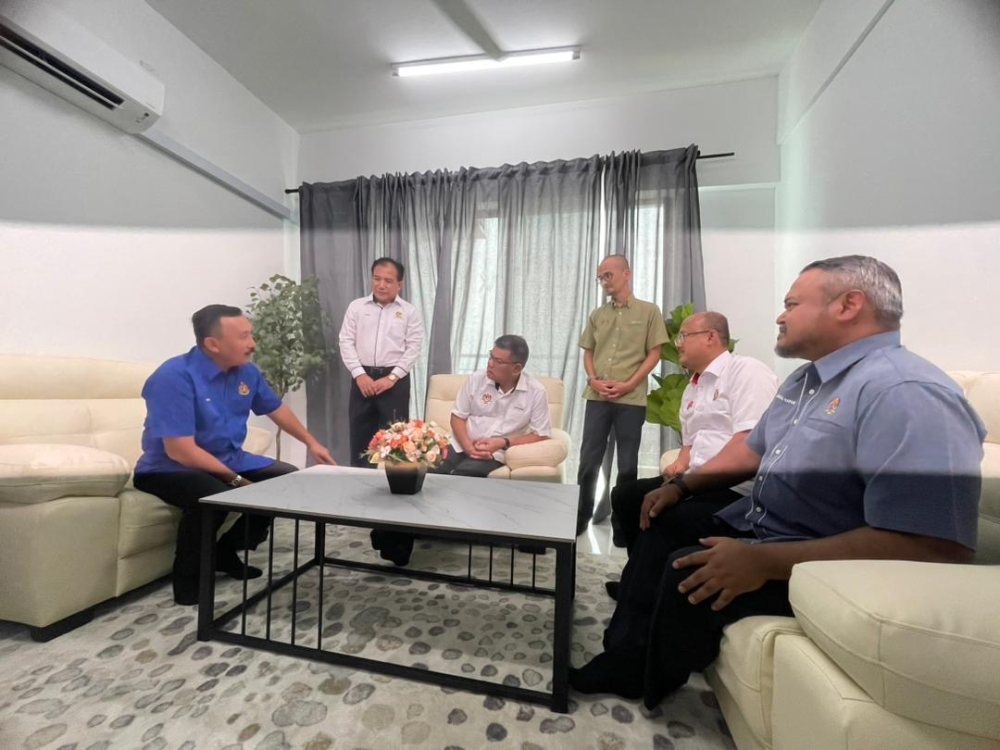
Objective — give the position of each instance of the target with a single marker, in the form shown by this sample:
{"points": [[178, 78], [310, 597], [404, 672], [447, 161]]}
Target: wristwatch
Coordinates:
{"points": [[506, 443], [236, 481], [678, 479], [392, 377]]}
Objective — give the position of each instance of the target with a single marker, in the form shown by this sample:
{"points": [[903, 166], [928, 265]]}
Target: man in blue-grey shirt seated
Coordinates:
{"points": [[867, 452], [197, 406]]}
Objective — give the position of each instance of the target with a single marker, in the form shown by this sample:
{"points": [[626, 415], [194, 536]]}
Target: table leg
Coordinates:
{"points": [[565, 574], [206, 586], [320, 549]]}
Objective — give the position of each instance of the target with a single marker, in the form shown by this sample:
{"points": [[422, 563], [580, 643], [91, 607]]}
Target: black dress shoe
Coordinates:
{"points": [[612, 588], [185, 590], [233, 566], [397, 555], [609, 673]]}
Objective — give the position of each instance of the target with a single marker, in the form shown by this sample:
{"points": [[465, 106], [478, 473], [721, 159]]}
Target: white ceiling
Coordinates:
{"points": [[322, 64]]}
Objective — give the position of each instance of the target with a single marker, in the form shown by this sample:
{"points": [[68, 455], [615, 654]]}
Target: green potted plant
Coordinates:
{"points": [[664, 403], [288, 326]]}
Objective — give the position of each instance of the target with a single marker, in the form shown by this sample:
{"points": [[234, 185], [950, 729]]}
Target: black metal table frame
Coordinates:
{"points": [[210, 627]]}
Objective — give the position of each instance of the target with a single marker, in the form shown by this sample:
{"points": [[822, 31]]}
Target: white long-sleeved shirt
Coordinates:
{"points": [[375, 335]]}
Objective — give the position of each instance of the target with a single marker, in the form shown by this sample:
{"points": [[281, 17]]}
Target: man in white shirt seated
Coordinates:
{"points": [[724, 401], [497, 407]]}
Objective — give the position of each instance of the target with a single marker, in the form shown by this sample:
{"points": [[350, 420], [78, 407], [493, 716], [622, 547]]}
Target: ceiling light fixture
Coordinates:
{"points": [[485, 62]]}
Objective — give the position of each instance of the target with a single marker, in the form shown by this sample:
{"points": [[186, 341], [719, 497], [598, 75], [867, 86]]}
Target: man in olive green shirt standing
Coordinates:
{"points": [[621, 346]]}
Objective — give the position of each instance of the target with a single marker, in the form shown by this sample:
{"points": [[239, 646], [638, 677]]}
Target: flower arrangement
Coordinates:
{"points": [[416, 441]]}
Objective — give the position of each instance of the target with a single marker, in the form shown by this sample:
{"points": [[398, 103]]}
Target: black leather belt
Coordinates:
{"points": [[377, 372]]}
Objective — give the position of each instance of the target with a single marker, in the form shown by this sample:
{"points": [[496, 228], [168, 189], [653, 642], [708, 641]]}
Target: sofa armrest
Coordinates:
{"points": [[551, 452], [40, 472], [258, 440], [668, 458], [919, 638]]}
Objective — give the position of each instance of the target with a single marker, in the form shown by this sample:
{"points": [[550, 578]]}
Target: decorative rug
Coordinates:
{"points": [[137, 677]]}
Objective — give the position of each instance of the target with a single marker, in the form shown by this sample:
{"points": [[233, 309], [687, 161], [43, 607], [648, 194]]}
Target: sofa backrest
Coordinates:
{"points": [[442, 390], [92, 402], [983, 391]]}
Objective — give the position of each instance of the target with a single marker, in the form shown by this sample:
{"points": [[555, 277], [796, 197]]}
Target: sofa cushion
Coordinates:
{"points": [[145, 522], [920, 638], [39, 472], [746, 667]]}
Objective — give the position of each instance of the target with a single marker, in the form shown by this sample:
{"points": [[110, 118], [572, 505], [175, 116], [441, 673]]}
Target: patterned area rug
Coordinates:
{"points": [[136, 677]]}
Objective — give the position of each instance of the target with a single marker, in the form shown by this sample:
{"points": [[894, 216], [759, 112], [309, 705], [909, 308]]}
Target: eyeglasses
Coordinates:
{"points": [[497, 360], [607, 276], [679, 338]]}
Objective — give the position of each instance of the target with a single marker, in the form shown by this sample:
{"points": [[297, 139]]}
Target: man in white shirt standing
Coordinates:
{"points": [[723, 402], [497, 407], [380, 340]]}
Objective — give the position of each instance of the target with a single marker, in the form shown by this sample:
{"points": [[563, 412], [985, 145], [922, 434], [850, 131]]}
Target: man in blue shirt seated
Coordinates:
{"points": [[197, 406], [867, 452]]}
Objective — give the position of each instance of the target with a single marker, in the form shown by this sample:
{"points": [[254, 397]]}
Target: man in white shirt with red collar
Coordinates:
{"points": [[380, 341], [497, 407], [724, 401]]}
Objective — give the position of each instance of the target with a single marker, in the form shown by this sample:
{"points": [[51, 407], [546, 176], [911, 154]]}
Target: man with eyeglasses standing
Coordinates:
{"points": [[621, 346], [721, 404]]}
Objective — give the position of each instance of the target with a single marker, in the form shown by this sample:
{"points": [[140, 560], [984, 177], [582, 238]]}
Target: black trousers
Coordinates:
{"points": [[657, 637], [183, 489], [600, 418], [626, 503], [463, 466], [367, 416]]}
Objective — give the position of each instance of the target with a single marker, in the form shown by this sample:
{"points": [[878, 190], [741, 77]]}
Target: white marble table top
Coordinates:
{"points": [[527, 510]]}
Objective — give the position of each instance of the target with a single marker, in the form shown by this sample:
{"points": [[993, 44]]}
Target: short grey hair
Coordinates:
{"points": [[516, 345], [879, 283]]}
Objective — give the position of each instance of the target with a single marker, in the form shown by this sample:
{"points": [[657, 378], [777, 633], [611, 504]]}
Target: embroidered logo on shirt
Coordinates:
{"points": [[487, 398], [691, 404], [244, 389], [715, 396], [831, 408], [399, 314]]}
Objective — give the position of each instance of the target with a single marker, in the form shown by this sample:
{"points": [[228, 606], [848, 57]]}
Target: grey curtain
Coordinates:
{"points": [[512, 249]]}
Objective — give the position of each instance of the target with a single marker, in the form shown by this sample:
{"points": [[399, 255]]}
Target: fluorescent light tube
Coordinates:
{"points": [[483, 62]]}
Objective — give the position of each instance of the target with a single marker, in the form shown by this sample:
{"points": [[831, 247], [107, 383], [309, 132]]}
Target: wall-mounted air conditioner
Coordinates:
{"points": [[59, 54]]}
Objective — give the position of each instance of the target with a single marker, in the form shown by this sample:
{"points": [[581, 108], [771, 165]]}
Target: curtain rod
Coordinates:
{"points": [[289, 191]]}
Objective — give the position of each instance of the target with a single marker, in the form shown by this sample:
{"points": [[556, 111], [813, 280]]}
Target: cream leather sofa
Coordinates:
{"points": [[880, 654], [539, 462], [73, 530]]}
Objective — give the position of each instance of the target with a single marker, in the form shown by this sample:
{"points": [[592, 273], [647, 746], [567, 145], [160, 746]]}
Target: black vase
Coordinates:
{"points": [[405, 479]]}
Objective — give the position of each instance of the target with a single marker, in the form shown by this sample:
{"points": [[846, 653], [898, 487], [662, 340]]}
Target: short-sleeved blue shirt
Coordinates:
{"points": [[869, 435], [189, 396]]}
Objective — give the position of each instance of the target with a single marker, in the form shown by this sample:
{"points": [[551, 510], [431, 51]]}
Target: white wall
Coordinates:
{"points": [[107, 246], [737, 207], [898, 157]]}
